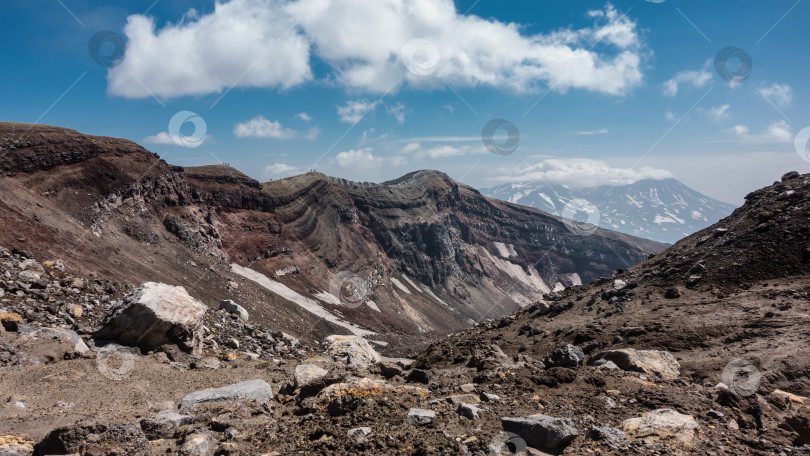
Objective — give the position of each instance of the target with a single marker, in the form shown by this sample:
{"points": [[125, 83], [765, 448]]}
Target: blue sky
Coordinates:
{"points": [[599, 92]]}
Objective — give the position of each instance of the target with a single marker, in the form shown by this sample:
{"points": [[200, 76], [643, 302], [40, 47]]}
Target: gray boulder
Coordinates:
{"points": [[420, 417], [156, 314], [612, 437], [352, 350], [541, 431], [307, 373], [234, 308], [164, 424], [257, 390], [565, 356]]}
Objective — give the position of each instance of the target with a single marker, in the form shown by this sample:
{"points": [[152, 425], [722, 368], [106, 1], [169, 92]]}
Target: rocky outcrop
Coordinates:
{"points": [[156, 314]]}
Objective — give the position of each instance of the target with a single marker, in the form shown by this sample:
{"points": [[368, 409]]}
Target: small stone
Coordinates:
{"points": [[360, 434], [420, 417], [612, 437], [200, 444], [672, 293], [419, 376], [308, 373], [233, 343], [468, 411], [619, 285], [164, 424], [489, 397], [565, 356]]}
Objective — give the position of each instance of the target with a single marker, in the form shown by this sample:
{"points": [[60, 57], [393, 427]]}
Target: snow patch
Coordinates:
{"points": [[400, 285], [310, 305], [410, 282]]}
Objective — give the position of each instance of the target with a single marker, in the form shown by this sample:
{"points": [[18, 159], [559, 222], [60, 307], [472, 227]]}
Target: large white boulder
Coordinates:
{"points": [[352, 350], [156, 314]]}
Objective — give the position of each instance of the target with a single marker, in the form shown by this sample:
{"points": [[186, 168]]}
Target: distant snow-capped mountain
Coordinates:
{"points": [[663, 210]]}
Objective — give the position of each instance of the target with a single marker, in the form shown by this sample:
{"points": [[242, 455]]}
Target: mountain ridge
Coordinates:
{"points": [[660, 209], [433, 254]]}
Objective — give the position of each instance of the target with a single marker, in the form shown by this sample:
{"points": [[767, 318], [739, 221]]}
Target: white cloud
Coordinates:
{"points": [[777, 132], [671, 116], [603, 131], [398, 111], [164, 138], [779, 94], [241, 43], [267, 43], [354, 111], [697, 78], [443, 150], [578, 172], [304, 116], [160, 138], [280, 168], [719, 113], [259, 127], [358, 159]]}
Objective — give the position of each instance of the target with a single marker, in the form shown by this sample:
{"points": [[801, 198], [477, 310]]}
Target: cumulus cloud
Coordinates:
{"points": [[165, 138], [364, 160], [779, 94], [268, 43], [398, 111], [280, 168], [357, 159], [440, 151], [242, 43], [304, 116], [777, 132], [259, 127], [719, 113], [697, 78], [353, 111], [578, 172]]}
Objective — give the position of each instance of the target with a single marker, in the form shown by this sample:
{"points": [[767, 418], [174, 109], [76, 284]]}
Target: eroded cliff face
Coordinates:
{"points": [[424, 255]]}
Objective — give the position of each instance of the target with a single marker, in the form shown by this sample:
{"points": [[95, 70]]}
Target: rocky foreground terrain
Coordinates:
{"points": [[700, 349]]}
